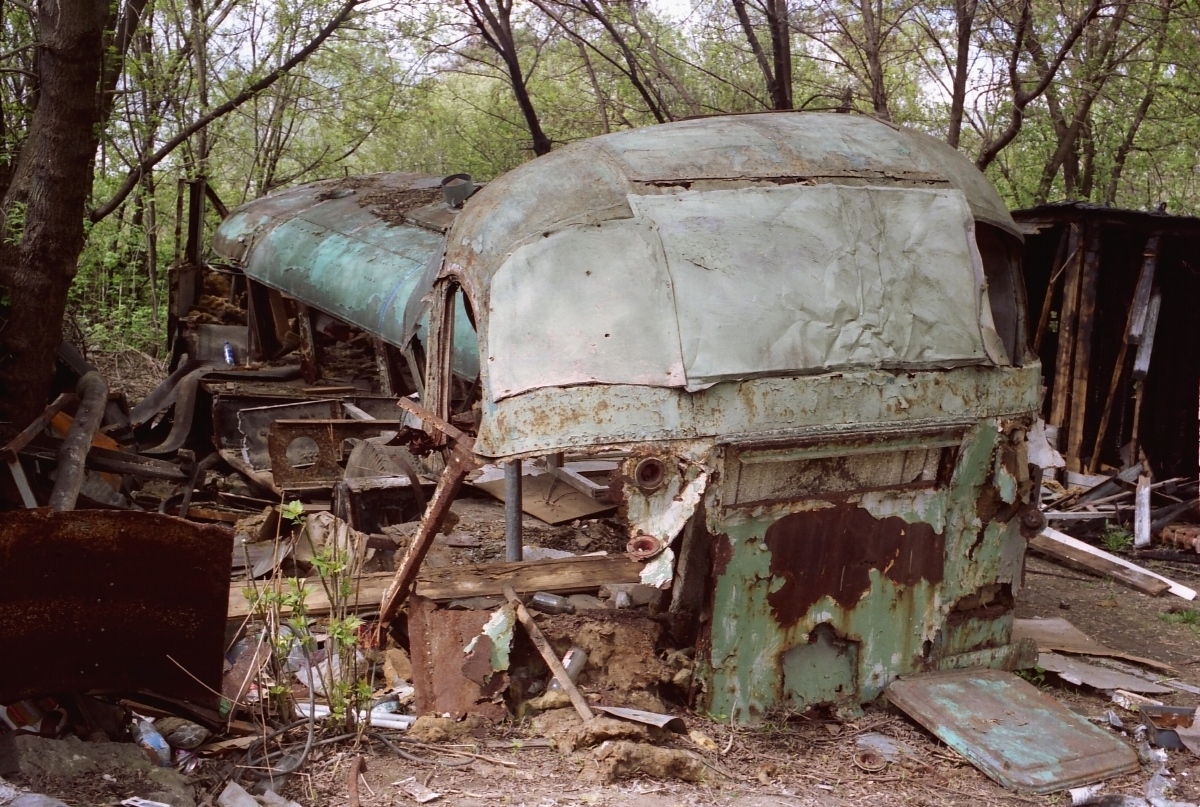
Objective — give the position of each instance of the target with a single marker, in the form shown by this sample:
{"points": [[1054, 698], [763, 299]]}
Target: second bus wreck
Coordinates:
{"points": [[790, 348]]}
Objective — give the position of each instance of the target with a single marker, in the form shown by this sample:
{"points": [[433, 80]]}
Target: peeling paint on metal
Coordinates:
{"points": [[659, 572], [827, 579], [662, 513], [499, 628]]}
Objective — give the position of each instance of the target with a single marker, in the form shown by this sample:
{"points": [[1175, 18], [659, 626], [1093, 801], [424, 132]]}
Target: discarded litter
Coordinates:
{"points": [[417, 791]]}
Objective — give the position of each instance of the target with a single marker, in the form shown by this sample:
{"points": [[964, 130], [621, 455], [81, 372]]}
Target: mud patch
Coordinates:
{"points": [[622, 659], [569, 733], [621, 758], [428, 729]]}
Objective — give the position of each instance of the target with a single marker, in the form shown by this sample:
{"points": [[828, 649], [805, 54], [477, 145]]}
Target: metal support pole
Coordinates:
{"points": [[512, 510]]}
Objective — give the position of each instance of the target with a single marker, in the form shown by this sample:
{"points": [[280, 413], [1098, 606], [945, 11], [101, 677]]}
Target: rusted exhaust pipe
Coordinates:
{"points": [[93, 397]]}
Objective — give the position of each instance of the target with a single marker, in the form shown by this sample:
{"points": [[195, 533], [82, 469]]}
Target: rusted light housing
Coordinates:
{"points": [[649, 474]]}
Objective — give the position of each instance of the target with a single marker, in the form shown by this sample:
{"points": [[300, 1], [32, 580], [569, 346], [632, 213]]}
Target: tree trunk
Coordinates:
{"points": [[49, 194], [781, 50], [964, 16], [873, 54]]}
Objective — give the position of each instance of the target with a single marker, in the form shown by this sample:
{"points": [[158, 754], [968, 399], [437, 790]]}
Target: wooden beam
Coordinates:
{"points": [[1102, 567], [560, 576], [1083, 350], [1134, 327], [1053, 543], [1068, 313]]}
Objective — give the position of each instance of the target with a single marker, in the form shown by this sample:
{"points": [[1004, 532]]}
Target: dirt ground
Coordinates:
{"points": [[793, 759]]}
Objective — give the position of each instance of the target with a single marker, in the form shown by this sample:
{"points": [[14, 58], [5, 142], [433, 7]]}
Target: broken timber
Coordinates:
{"points": [[561, 576], [1079, 555]]}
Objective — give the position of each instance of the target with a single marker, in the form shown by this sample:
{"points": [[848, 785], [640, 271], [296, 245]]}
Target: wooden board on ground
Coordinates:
{"points": [[550, 499], [1056, 537], [561, 576], [1059, 635], [1101, 564]]}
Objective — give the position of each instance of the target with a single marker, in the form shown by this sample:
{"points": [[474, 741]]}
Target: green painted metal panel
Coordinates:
{"points": [[333, 248], [1022, 738]]}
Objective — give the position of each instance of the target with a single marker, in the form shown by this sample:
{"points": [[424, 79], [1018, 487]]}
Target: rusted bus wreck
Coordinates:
{"points": [[802, 337]]}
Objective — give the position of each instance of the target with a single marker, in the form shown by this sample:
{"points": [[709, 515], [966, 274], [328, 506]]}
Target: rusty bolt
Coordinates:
{"points": [[1032, 521], [649, 474]]}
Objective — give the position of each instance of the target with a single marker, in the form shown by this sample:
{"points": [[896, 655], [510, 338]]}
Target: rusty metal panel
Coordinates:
{"points": [[587, 182], [860, 585], [104, 600], [841, 277], [306, 453], [437, 638], [555, 419], [1022, 738]]}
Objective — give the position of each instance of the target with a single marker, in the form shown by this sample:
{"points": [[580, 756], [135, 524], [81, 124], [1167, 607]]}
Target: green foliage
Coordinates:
{"points": [[1185, 616], [1035, 675], [293, 511], [1116, 538], [281, 607]]}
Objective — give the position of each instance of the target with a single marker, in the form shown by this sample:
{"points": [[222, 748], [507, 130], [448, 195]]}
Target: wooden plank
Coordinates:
{"points": [[1061, 258], [1141, 363], [1068, 313], [1054, 537], [1113, 485], [560, 576], [1140, 305], [1082, 364], [1141, 513], [1087, 562]]}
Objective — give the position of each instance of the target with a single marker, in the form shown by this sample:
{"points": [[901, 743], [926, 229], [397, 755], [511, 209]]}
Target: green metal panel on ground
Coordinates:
{"points": [[1022, 738]]}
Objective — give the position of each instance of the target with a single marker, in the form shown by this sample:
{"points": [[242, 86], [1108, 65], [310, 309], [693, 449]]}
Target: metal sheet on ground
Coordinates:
{"points": [[104, 600], [1076, 672], [1014, 733], [1057, 634], [547, 498]]}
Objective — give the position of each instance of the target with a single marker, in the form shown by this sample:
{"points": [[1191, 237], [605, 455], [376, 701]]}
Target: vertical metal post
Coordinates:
{"points": [[512, 510]]}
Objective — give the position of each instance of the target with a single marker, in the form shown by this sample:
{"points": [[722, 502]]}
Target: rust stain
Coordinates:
{"points": [[831, 552], [104, 599], [436, 641]]}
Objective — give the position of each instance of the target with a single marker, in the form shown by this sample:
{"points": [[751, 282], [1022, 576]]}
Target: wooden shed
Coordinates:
{"points": [[1114, 300]]}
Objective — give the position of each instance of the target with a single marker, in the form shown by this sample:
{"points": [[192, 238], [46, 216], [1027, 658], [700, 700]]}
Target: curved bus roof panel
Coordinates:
{"points": [[355, 248], [726, 248]]}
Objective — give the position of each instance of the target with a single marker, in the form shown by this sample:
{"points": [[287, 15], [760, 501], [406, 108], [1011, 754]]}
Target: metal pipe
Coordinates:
{"points": [[512, 510], [93, 397]]}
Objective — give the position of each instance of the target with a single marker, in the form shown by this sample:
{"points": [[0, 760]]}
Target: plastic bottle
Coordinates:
{"points": [[573, 662], [156, 748], [230, 358], [551, 603]]}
